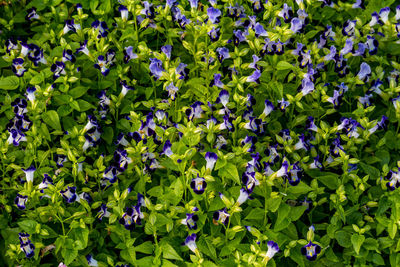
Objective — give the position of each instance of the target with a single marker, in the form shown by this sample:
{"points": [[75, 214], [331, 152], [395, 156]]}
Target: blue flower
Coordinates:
{"points": [[307, 86], [148, 10], [182, 71], [125, 88], [102, 65], [384, 14], [243, 196], [359, 4], [172, 90], [70, 25], [124, 12], [257, 6], [23, 238], [128, 54], [18, 67], [221, 216], [211, 159], [102, 27], [68, 56], [193, 3], [217, 82], [273, 248], [372, 45], [20, 201], [122, 159], [11, 45], [213, 14], [223, 53], [190, 242], [195, 112], [156, 67], [45, 182], [58, 68], [348, 47], [110, 174], [29, 173], [238, 37], [302, 143], [311, 251], [365, 72], [394, 180], [283, 104], [167, 50], [131, 217], [286, 13], [255, 77], [375, 19], [198, 185], [28, 249], [296, 25], [191, 221], [259, 30], [91, 261], [349, 27], [69, 194], [316, 164], [167, 149], [304, 59], [214, 34], [283, 171], [32, 14], [335, 99], [83, 48]]}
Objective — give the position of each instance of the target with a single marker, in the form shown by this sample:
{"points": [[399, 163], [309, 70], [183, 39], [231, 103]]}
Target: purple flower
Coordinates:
{"points": [[198, 185], [167, 149], [296, 25], [286, 13], [259, 30], [283, 104], [124, 12], [58, 68], [191, 221], [311, 251], [211, 159], [349, 27], [217, 82], [213, 14], [255, 77], [257, 6], [91, 261], [172, 90], [102, 28], [18, 67], [195, 112], [167, 50], [348, 47], [372, 45], [71, 26], [193, 3], [190, 242], [359, 4], [365, 72], [20, 201], [131, 217], [214, 34], [68, 56], [221, 216], [24, 238], [243, 196], [128, 54], [11, 45], [69, 194], [223, 53], [384, 14], [307, 86], [156, 67], [28, 249], [335, 99], [238, 37], [29, 173], [269, 107], [83, 48], [273, 248], [31, 14]]}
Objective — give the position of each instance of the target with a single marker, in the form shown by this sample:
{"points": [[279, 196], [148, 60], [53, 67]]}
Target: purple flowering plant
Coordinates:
{"points": [[199, 133]]}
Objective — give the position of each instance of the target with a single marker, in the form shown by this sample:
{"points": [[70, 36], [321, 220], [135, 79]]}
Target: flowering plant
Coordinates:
{"points": [[199, 133]]}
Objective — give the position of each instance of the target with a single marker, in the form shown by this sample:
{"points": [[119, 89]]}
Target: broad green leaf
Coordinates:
{"points": [[357, 241], [230, 171], [9, 83], [169, 252], [51, 118], [283, 65]]}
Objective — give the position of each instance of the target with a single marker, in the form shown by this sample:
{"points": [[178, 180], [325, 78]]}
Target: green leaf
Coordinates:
{"points": [[169, 252], [255, 214], [331, 181], [51, 118], [84, 105], [9, 83], [69, 253], [146, 248], [37, 79], [230, 171], [108, 135], [301, 188], [296, 212], [28, 226], [78, 91], [129, 255], [392, 229], [80, 234], [283, 65], [282, 221], [373, 172], [377, 259], [343, 238], [357, 241]]}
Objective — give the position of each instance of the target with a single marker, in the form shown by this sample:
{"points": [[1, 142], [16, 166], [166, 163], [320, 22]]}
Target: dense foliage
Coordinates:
{"points": [[180, 133]]}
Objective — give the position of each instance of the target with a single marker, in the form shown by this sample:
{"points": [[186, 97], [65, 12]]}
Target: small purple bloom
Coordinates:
{"points": [[311, 251]]}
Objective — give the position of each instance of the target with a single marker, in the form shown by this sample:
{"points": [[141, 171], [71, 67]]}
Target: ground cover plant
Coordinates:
{"points": [[196, 133]]}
